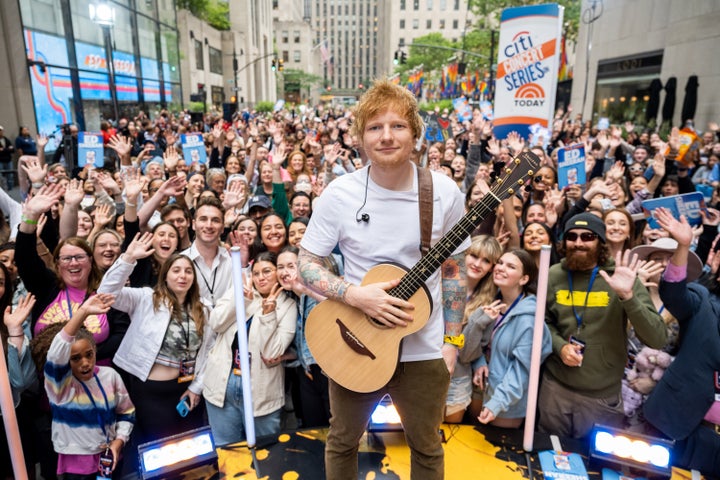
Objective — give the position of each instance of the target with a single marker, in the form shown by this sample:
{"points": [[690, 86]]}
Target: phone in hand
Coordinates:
{"points": [[183, 407]]}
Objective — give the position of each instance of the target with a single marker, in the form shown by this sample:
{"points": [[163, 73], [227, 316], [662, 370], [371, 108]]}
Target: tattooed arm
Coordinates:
{"points": [[454, 291], [372, 299]]}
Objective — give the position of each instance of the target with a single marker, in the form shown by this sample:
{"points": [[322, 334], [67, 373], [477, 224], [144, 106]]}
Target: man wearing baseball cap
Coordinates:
{"points": [[590, 300]]}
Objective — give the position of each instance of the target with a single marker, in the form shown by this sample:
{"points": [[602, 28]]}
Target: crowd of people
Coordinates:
{"points": [[118, 304]]}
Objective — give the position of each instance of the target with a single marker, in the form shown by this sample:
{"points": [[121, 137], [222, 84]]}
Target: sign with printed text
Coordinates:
{"points": [[571, 166], [688, 204], [527, 68], [193, 148], [462, 107], [90, 149]]}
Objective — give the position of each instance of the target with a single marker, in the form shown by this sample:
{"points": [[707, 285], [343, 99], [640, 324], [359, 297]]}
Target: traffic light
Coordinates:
{"points": [[201, 87], [274, 65], [395, 60], [403, 58], [281, 64]]}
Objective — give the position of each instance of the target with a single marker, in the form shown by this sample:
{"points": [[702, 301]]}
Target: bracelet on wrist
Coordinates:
{"points": [[16, 336], [27, 220], [456, 340], [128, 204], [37, 184]]}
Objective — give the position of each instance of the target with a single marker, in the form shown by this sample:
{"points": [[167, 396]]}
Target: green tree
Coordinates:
{"points": [[430, 58], [485, 10], [301, 79], [215, 12]]}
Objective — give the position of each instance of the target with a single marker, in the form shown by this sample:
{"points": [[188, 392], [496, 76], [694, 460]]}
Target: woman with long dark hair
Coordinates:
{"points": [[165, 348]]}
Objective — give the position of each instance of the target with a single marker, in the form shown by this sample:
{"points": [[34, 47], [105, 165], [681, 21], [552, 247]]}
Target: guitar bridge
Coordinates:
{"points": [[352, 341]]}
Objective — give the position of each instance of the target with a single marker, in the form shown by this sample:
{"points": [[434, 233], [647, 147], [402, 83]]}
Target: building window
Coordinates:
{"points": [[416, 24], [443, 4], [199, 60], [416, 4], [457, 5], [296, 56], [402, 4], [296, 36], [442, 23], [284, 36], [428, 24], [275, 4], [285, 56], [429, 4], [215, 60], [455, 24], [402, 24]]}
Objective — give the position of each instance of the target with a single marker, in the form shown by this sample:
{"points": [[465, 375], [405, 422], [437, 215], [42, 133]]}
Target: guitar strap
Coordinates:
{"points": [[425, 202]]}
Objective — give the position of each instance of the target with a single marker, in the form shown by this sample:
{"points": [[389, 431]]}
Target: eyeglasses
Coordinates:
{"points": [[265, 273], [67, 259], [584, 236]]}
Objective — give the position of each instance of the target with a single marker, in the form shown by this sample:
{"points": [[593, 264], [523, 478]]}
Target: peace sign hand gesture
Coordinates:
{"points": [[269, 303]]}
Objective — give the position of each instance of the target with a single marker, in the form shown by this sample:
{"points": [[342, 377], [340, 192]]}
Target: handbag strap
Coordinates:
{"points": [[425, 202]]}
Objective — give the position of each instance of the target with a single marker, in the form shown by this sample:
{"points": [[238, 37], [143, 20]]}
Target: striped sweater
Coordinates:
{"points": [[75, 424]]}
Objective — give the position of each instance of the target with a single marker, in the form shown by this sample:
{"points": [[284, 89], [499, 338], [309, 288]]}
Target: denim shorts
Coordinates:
{"points": [[459, 394]]}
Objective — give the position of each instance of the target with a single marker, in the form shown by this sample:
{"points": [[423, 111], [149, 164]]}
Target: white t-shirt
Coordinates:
{"points": [[392, 235]]}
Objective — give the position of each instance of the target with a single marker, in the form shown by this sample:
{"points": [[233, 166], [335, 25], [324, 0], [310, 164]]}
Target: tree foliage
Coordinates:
{"points": [[430, 58], [487, 10], [301, 78], [215, 12]]}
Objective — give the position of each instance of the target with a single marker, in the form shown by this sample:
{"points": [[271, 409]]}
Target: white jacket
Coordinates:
{"points": [[141, 344], [269, 337]]}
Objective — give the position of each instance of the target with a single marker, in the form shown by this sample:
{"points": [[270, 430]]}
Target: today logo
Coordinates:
{"points": [[530, 95]]}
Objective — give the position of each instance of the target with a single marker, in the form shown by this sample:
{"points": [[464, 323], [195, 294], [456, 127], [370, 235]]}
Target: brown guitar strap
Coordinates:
{"points": [[425, 201]]}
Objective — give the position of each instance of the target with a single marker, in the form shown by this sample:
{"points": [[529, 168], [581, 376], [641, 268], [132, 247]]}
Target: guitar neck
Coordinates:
{"points": [[442, 250]]}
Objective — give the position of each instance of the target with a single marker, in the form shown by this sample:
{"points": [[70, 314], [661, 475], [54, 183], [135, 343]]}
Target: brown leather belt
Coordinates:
{"points": [[715, 428]]}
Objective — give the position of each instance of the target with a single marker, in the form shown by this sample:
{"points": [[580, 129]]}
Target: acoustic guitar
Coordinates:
{"points": [[359, 352]]}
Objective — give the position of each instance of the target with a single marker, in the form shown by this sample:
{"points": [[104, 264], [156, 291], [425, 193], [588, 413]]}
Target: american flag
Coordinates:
{"points": [[324, 53]]}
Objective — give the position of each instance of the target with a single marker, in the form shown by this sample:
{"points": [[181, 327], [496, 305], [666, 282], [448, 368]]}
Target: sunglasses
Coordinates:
{"points": [[538, 179], [584, 236]]}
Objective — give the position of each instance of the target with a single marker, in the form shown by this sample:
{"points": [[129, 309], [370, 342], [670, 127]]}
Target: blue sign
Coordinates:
{"points": [[688, 204], [90, 149], [571, 166], [193, 148]]}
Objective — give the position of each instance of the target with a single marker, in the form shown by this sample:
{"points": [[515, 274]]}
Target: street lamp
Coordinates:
{"points": [[104, 15]]}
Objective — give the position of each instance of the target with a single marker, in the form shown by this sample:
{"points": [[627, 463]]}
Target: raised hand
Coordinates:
{"points": [[170, 158], [493, 147], [623, 278], [14, 319], [173, 186], [122, 145], [658, 165], [41, 139], [98, 303], [140, 247], [35, 171], [107, 182], [235, 195], [629, 127], [74, 193], [617, 171], [680, 230], [515, 142], [134, 183], [46, 197], [102, 215]]}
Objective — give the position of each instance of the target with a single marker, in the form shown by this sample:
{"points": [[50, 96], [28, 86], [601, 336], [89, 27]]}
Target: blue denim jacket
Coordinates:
{"points": [[305, 304]]}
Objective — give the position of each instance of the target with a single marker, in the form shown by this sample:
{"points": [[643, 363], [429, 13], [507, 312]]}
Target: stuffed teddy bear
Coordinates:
{"points": [[649, 364]]}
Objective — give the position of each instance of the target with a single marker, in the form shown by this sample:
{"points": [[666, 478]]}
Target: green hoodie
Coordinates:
{"points": [[603, 329]]}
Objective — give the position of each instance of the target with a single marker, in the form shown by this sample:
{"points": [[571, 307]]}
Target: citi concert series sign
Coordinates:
{"points": [[527, 68]]}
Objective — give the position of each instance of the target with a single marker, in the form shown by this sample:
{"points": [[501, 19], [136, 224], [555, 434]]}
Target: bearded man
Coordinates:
{"points": [[590, 300]]}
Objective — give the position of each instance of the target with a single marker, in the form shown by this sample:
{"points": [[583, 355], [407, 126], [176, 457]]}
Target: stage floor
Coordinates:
{"points": [[470, 453]]}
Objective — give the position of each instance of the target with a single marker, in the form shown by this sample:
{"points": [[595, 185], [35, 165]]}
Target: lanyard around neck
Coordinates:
{"points": [[101, 422]]}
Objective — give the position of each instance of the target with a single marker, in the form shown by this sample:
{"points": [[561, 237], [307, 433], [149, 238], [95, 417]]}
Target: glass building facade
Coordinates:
{"points": [[68, 65]]}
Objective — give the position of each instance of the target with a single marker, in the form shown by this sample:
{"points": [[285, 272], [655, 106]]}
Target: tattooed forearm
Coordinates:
{"points": [[318, 278], [453, 293]]}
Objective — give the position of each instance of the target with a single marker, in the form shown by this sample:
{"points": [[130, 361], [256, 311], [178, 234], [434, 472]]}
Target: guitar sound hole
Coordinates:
{"points": [[376, 322]]}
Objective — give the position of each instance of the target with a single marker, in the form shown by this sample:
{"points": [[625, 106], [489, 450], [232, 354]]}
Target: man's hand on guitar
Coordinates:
{"points": [[375, 302]]}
